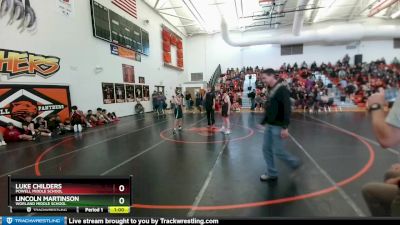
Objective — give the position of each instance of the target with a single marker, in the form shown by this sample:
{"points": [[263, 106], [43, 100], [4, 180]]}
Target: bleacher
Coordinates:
{"points": [[231, 79]]}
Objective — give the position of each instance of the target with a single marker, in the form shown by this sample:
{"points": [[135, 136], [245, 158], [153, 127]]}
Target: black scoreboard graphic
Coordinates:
{"points": [[113, 28], [75, 195]]}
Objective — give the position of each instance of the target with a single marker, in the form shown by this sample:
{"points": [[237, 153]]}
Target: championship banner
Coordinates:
{"points": [[18, 101], [120, 93], [130, 92], [128, 72], [139, 92], [108, 93], [125, 53], [146, 93]]}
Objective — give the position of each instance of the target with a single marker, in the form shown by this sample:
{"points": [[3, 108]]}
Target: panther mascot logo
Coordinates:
{"points": [[21, 109]]}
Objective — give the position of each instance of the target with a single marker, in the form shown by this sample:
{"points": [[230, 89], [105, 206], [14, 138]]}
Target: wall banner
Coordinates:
{"points": [[130, 92], [139, 92], [17, 101], [16, 64], [125, 53], [66, 7], [128, 72], [108, 93], [120, 93]]}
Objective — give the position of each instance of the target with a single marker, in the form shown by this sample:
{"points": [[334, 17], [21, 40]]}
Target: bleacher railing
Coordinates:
{"points": [[214, 78]]}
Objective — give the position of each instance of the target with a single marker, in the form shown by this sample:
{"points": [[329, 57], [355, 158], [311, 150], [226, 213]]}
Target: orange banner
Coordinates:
{"points": [[18, 101], [125, 53]]}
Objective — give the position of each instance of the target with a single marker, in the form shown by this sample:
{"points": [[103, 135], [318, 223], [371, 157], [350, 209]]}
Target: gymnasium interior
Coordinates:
{"points": [[131, 70]]}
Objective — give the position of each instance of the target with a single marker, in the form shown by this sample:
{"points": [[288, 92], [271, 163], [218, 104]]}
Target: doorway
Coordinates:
{"points": [[159, 89], [193, 91]]}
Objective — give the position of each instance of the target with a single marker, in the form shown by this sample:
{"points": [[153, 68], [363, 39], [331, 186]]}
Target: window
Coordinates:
{"points": [[396, 43], [292, 49], [196, 76]]}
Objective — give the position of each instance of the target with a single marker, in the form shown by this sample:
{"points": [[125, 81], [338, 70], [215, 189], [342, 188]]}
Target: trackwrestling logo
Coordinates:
{"points": [[16, 64]]}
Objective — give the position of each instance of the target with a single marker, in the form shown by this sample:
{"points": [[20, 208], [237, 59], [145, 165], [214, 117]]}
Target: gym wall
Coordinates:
{"points": [[204, 53], [70, 38]]}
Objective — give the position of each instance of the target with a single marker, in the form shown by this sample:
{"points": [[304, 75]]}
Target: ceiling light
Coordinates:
{"points": [[327, 5], [196, 15]]}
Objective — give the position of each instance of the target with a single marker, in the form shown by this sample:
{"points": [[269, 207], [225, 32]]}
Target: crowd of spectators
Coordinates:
{"points": [[32, 129], [159, 102], [315, 87]]}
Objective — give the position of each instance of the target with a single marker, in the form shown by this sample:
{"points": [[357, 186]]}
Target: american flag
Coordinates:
{"points": [[128, 6]]}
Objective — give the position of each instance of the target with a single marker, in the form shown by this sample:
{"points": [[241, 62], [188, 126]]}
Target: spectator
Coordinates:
{"points": [[198, 102], [92, 119], [67, 125], [391, 93], [350, 90], [188, 99], [172, 103], [2, 142], [76, 120], [106, 117], [258, 102], [64, 126], [379, 196], [52, 124], [395, 61], [154, 98], [41, 126], [295, 66], [162, 103], [12, 134], [346, 60], [342, 74], [252, 96], [112, 116], [314, 66], [139, 109], [387, 130], [29, 127], [304, 65], [100, 116], [85, 122], [309, 84], [55, 125]]}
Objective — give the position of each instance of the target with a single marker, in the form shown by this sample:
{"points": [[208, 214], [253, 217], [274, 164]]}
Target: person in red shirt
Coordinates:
{"points": [[12, 134]]}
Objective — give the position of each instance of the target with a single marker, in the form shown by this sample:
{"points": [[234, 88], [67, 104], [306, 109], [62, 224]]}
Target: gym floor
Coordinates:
{"points": [[202, 173]]}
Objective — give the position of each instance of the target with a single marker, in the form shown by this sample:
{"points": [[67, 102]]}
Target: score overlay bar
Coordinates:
{"points": [[79, 195]]}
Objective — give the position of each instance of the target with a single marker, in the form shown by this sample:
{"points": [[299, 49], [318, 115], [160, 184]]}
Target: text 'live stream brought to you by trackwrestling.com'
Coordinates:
{"points": [[145, 221], [52, 220]]}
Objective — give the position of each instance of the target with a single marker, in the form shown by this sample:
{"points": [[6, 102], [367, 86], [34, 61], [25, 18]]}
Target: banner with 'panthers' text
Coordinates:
{"points": [[16, 63], [17, 101]]}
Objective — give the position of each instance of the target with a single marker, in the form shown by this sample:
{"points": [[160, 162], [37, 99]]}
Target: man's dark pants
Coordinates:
{"points": [[210, 116]]}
